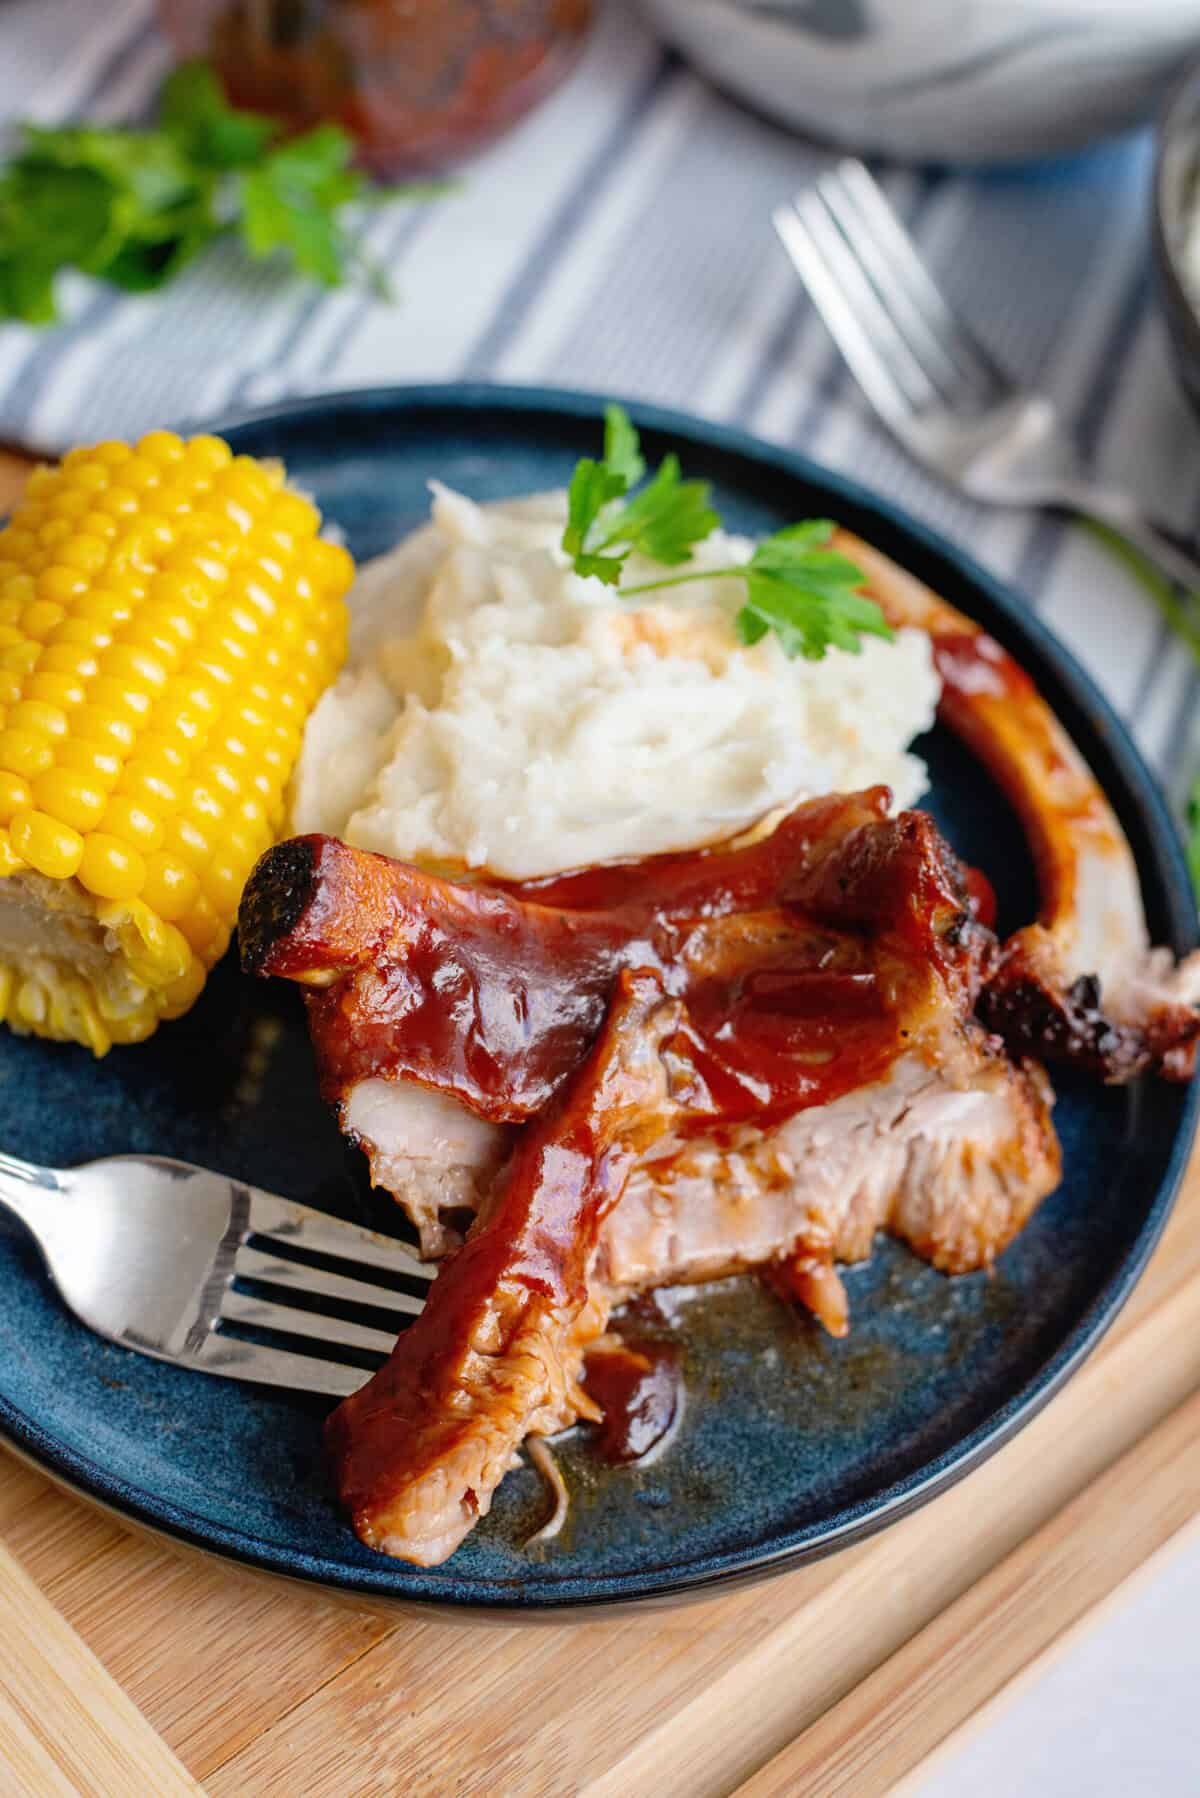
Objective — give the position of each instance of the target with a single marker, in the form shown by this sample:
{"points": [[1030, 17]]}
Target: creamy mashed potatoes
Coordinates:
{"points": [[499, 712]]}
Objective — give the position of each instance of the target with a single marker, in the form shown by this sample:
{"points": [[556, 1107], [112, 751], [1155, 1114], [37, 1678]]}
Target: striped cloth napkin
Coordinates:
{"points": [[620, 240]]}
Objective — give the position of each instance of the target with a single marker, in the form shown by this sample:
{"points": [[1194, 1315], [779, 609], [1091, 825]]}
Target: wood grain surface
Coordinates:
{"points": [[834, 1678], [65, 1724], [128, 1666]]}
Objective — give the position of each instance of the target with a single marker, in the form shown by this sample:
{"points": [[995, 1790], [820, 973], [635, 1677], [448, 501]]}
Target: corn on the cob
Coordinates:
{"points": [[168, 618]]}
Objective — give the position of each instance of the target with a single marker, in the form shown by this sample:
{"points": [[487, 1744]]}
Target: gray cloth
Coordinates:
{"points": [[620, 240]]}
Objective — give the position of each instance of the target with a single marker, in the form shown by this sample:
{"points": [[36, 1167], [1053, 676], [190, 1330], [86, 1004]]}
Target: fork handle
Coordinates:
{"points": [[1174, 554], [22, 1184]]}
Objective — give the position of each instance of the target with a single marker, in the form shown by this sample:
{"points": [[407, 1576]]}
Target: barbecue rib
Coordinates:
{"points": [[810, 1073], [1083, 983]]}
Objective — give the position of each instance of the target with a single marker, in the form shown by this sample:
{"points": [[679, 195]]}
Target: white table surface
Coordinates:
{"points": [[1111, 1712]]}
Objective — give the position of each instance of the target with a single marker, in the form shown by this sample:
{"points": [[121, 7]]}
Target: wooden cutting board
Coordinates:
{"points": [[130, 1667]]}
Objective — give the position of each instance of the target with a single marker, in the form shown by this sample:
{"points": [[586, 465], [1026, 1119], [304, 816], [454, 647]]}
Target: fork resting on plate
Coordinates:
{"points": [[171, 1259]]}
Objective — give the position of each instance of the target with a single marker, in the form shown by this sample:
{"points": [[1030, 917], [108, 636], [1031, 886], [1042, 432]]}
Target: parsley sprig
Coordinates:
{"points": [[133, 206], [808, 594]]}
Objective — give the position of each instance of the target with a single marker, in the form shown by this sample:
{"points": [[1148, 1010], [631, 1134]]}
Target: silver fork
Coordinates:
{"points": [[930, 379], [156, 1255]]}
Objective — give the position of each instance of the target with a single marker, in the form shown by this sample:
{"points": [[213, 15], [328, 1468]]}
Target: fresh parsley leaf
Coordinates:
{"points": [[593, 485], [291, 200], [661, 522], [195, 114], [622, 447], [795, 584], [807, 595], [666, 518]]}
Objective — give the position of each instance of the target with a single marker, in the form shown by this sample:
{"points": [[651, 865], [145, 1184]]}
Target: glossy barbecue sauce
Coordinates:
{"points": [[972, 663], [638, 1384], [690, 994], [495, 997]]}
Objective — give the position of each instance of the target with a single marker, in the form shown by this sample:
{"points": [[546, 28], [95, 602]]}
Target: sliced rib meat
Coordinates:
{"points": [[496, 1354], [749, 1107]]}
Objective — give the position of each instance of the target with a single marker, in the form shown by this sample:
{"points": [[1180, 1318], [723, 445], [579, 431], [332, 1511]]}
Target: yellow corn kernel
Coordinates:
{"points": [[160, 446], [202, 928], [67, 658], [330, 568], [59, 585], [135, 1026], [132, 824], [143, 781], [62, 691], [166, 754], [18, 588], [87, 554], [167, 617], [182, 994], [156, 954], [171, 887], [188, 840], [99, 724], [20, 658], [38, 718], [15, 795], [129, 662], [51, 848], [72, 797], [109, 868], [117, 502], [140, 473], [42, 617], [24, 752], [17, 545], [205, 455], [90, 758], [120, 697]]}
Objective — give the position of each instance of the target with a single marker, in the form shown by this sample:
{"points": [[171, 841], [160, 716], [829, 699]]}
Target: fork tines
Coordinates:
{"points": [[311, 1280], [906, 347]]}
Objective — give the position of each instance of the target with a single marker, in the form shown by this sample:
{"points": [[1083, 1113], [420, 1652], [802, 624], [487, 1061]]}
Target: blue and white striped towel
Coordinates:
{"points": [[620, 240]]}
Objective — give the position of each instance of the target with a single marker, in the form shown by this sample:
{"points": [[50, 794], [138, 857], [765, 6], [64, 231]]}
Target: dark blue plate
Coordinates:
{"points": [[792, 1444]]}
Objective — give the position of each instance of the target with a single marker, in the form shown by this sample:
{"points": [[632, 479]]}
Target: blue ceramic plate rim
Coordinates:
{"points": [[1160, 858]]}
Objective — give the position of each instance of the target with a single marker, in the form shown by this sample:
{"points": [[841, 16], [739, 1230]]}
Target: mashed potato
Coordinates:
{"points": [[499, 712]]}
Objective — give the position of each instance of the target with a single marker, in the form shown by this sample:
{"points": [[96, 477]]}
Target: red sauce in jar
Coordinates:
{"points": [[418, 83]]}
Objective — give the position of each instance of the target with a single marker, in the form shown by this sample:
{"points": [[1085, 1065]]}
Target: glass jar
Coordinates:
{"points": [[419, 83]]}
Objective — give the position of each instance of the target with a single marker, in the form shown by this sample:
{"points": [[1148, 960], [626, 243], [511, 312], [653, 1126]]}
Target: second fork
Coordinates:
{"points": [[931, 380]]}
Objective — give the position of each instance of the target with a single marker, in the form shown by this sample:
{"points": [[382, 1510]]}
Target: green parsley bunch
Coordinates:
{"points": [[134, 206]]}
